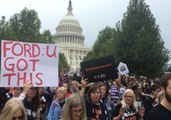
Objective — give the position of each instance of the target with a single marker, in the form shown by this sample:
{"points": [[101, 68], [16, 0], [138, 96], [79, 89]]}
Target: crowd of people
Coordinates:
{"points": [[124, 98]]}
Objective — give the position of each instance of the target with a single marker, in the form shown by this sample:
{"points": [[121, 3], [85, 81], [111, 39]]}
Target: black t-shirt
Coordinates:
{"points": [[97, 112], [5, 95], [45, 100], [31, 114], [61, 104], [130, 114], [159, 113]]}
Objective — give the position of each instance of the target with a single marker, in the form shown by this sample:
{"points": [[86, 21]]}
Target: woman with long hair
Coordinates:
{"points": [[74, 109], [31, 100], [13, 110], [128, 108]]}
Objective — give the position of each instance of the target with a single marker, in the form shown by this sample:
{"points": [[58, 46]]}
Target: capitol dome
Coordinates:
{"points": [[69, 30], [70, 39]]}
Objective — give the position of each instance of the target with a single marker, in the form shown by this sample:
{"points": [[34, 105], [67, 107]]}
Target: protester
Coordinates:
{"points": [[17, 91], [31, 100], [74, 87], [45, 100], [74, 109], [95, 109], [66, 85], [121, 86], [114, 92], [163, 110], [51, 91], [155, 89], [160, 97], [147, 86], [143, 100], [105, 99], [150, 100], [128, 108], [5, 95], [56, 107], [13, 110]]}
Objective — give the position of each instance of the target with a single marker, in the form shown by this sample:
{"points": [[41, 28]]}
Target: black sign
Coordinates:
{"points": [[100, 69]]}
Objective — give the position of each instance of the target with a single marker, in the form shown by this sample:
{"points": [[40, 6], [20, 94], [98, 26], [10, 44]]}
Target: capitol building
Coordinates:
{"points": [[70, 39]]}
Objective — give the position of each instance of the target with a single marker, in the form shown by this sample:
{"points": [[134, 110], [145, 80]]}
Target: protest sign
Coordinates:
{"points": [[123, 69], [21, 61], [100, 69]]}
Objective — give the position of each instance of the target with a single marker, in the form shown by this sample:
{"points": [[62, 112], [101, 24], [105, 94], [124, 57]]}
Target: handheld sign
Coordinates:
{"points": [[99, 69], [21, 61], [122, 68]]}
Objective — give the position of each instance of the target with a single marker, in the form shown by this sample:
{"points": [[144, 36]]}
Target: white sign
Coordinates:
{"points": [[122, 68], [21, 61]]}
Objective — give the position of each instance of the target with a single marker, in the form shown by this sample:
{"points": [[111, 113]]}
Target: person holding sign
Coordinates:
{"points": [[31, 100], [128, 108]]}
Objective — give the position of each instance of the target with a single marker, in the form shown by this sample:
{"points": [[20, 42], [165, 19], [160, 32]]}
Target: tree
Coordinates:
{"points": [[138, 42], [102, 46], [89, 56], [46, 37], [63, 65], [167, 68], [5, 31], [26, 25]]}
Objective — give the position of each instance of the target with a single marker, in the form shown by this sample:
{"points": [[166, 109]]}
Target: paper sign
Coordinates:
{"points": [[21, 61], [122, 68]]}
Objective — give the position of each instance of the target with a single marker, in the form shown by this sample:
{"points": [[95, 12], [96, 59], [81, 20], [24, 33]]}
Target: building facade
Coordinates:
{"points": [[70, 39]]}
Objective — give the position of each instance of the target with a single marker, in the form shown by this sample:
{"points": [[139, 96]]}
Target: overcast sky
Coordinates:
{"points": [[93, 15]]}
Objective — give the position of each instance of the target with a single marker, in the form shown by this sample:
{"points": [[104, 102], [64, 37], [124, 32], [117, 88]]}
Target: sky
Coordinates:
{"points": [[93, 15]]}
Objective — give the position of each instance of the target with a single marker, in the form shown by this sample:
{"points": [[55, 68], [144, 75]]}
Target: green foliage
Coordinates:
{"points": [[167, 68], [5, 31], [102, 45], [63, 65], [139, 43], [26, 25], [46, 37], [136, 41]]}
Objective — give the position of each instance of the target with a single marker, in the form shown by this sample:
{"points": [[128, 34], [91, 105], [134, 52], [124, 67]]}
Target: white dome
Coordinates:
{"points": [[69, 25], [69, 19], [69, 30]]}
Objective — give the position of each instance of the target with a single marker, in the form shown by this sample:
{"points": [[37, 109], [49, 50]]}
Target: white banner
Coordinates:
{"points": [[21, 61]]}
